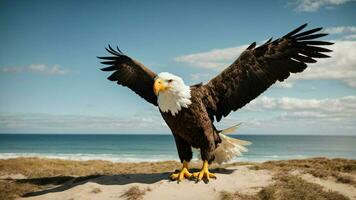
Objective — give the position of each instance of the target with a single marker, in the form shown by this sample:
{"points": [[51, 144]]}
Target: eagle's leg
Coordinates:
{"points": [[185, 155], [207, 155], [182, 174], [204, 172]]}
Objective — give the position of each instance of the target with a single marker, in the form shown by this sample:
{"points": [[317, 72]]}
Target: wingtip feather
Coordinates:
{"points": [[296, 30], [253, 45]]}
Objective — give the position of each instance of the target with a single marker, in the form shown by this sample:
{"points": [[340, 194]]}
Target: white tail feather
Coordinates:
{"points": [[230, 130], [229, 147]]}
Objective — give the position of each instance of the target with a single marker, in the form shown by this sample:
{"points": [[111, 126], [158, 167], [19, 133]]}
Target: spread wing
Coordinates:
{"points": [[258, 68], [130, 73]]}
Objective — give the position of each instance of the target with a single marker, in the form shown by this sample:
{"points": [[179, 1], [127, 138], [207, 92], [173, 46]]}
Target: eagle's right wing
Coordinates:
{"points": [[258, 68], [130, 73]]}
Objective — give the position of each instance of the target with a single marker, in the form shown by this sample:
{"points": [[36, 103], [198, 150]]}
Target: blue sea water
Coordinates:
{"points": [[134, 148]]}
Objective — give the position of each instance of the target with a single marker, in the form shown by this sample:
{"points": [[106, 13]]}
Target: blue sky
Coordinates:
{"points": [[50, 82]]}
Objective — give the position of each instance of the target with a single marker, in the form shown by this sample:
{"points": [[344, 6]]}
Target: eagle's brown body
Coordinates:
{"points": [[254, 71], [194, 128]]}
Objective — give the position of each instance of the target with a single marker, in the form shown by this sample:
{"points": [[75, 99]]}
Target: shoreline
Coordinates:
{"points": [[118, 158], [38, 178]]}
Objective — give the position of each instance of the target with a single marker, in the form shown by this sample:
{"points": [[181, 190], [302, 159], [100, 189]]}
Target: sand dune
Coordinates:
{"points": [[157, 186], [42, 179]]}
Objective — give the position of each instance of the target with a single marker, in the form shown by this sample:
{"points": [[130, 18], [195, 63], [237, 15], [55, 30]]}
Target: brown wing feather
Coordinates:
{"points": [[258, 68], [130, 73]]}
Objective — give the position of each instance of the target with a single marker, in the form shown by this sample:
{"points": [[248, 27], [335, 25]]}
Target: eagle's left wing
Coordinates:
{"points": [[258, 68], [130, 73]]}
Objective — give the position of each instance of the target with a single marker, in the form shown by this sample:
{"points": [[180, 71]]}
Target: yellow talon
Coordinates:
{"points": [[204, 173], [184, 173]]}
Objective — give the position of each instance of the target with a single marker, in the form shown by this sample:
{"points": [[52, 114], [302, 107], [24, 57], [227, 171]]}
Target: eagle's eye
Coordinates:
{"points": [[170, 80]]}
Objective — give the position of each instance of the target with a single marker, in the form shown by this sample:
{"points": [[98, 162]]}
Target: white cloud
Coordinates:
{"points": [[286, 115], [284, 84], [201, 76], [350, 37], [314, 5], [337, 108], [216, 58], [36, 68], [346, 32], [340, 29], [351, 83]]}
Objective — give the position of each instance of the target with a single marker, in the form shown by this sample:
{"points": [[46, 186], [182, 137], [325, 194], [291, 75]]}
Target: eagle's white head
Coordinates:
{"points": [[172, 93]]}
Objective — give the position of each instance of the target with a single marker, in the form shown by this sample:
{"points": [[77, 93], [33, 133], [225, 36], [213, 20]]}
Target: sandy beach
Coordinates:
{"points": [[39, 179]]}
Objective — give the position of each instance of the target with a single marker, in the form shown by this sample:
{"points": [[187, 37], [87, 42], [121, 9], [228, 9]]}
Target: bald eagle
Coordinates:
{"points": [[190, 111]]}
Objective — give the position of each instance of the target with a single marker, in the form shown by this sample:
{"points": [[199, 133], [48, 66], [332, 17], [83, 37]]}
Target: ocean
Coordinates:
{"points": [[137, 148]]}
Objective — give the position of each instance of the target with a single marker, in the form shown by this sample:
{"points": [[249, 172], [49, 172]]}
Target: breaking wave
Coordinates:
{"points": [[85, 157]]}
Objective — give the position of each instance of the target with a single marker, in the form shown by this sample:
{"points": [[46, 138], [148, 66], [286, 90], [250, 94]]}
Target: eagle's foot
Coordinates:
{"points": [[183, 174], [204, 173]]}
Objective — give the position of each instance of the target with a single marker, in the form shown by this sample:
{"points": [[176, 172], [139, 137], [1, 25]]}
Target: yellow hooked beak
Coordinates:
{"points": [[158, 86]]}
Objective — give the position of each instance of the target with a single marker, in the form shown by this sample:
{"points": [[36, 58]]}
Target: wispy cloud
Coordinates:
{"points": [[50, 123], [36, 68], [340, 29], [343, 32], [334, 109], [350, 37], [204, 76], [314, 5], [288, 115], [284, 84], [214, 59], [344, 106]]}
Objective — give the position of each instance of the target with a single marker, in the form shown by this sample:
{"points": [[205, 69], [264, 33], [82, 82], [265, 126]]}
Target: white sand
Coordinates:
{"points": [[237, 178], [232, 179]]}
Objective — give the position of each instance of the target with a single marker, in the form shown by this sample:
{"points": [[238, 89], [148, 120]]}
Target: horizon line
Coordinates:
{"points": [[172, 134]]}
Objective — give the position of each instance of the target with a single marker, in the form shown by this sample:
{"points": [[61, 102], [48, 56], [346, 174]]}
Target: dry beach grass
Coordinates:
{"points": [[287, 187]]}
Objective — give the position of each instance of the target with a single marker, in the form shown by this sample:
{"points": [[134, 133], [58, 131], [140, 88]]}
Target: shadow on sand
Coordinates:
{"points": [[62, 183]]}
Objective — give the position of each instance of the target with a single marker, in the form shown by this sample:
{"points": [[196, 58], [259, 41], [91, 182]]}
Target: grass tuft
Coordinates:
{"points": [[12, 190], [287, 187], [134, 193], [224, 195], [96, 190], [318, 167]]}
